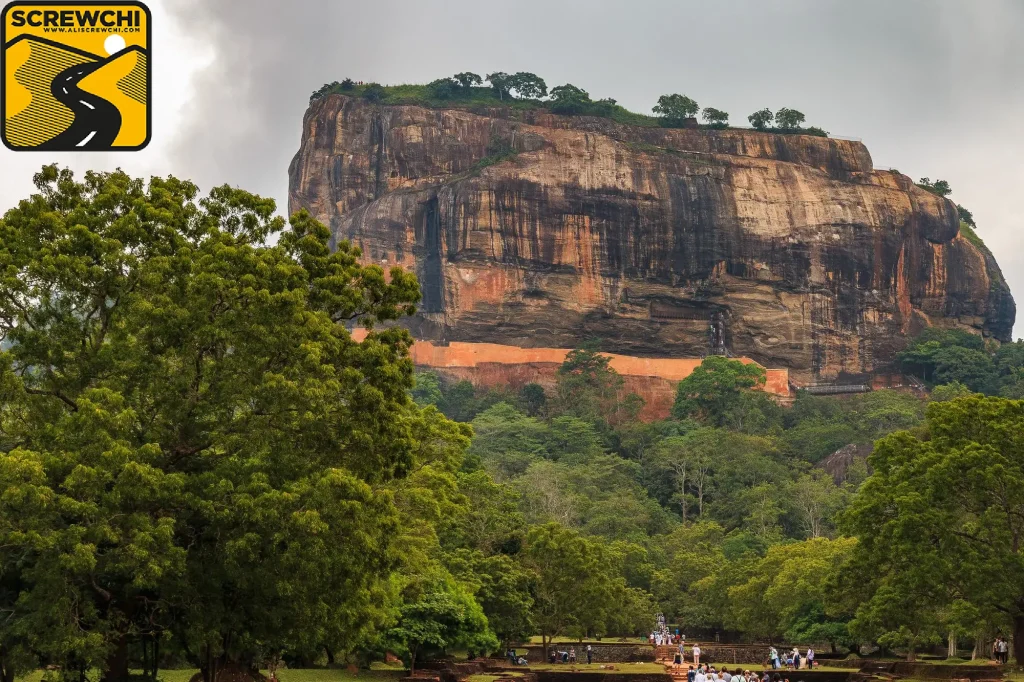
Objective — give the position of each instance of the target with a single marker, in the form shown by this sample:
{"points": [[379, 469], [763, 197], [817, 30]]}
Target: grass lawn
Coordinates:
{"points": [[284, 675], [596, 667]]}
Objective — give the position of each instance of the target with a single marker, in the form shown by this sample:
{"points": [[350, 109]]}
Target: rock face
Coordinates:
{"points": [[535, 230]]}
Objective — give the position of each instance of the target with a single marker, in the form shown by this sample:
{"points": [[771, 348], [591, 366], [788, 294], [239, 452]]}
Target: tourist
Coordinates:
{"points": [[726, 677], [700, 676], [1002, 649], [554, 656], [572, 654], [652, 638], [796, 658], [691, 674], [696, 655], [773, 658], [590, 654], [810, 658]]}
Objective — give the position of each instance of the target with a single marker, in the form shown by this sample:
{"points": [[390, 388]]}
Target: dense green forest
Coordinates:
{"points": [[199, 466]]}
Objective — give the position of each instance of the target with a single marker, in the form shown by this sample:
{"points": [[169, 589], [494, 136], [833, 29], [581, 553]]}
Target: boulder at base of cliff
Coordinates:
{"points": [[838, 464]]}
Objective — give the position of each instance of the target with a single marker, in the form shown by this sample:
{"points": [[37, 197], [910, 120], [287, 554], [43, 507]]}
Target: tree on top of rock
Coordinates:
{"points": [[675, 109], [568, 99], [715, 117], [500, 83], [788, 119], [467, 79], [528, 85], [940, 187], [762, 119]]}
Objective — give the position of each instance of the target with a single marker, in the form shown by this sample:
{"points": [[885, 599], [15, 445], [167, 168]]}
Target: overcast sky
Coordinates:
{"points": [[933, 87]]}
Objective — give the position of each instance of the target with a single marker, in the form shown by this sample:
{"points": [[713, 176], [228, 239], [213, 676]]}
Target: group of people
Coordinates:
{"points": [[567, 656], [666, 638], [1001, 649], [705, 673], [792, 659]]}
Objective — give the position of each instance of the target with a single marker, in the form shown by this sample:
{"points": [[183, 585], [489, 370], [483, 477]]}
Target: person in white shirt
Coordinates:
{"points": [[810, 658], [696, 657], [726, 677], [700, 676]]}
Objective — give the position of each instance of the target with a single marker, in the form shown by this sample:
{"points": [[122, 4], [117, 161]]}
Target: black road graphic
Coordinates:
{"points": [[97, 121]]}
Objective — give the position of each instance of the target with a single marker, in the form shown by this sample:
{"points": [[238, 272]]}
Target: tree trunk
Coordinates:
{"points": [[6, 670], [211, 665], [330, 655], [412, 661], [544, 643], [911, 653], [156, 656], [117, 661], [1018, 639], [951, 649]]}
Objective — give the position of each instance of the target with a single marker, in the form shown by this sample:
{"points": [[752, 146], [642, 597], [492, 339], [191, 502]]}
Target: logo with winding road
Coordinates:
{"points": [[76, 76]]}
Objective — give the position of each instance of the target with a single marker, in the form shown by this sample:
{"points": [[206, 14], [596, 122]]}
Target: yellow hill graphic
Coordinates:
{"points": [[122, 82], [33, 116]]}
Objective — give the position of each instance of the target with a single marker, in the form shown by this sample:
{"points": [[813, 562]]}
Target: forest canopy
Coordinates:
{"points": [[199, 465]]}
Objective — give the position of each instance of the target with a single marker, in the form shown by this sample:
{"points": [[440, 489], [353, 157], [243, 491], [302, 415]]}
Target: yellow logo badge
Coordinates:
{"points": [[76, 76]]}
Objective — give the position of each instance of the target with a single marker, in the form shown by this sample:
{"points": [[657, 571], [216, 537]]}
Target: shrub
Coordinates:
{"points": [[374, 92]]}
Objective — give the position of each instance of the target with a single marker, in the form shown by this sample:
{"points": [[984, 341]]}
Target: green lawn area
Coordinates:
{"points": [[596, 667], [284, 675]]}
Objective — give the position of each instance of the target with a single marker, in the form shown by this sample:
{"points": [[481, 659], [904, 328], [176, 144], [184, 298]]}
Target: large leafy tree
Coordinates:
{"points": [[587, 386], [941, 520], [193, 443], [444, 617], [575, 582], [569, 99], [715, 389], [528, 85], [675, 109], [785, 592], [788, 119]]}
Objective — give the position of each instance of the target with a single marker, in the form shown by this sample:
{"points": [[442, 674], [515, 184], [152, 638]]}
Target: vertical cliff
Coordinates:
{"points": [[535, 230]]}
